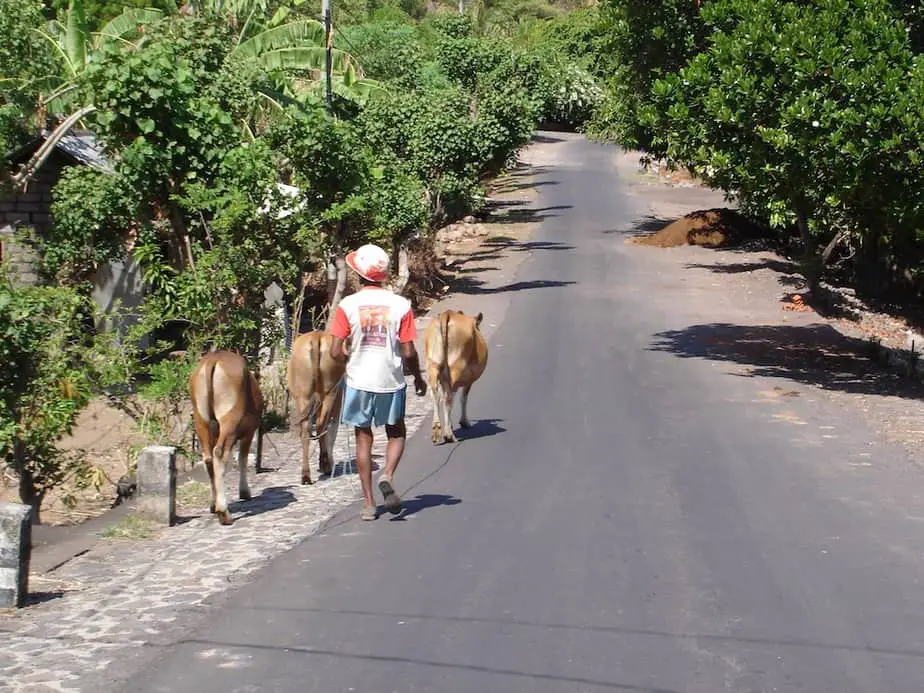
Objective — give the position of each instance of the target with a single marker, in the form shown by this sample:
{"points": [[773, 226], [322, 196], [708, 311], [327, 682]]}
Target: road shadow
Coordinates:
{"points": [[271, 498], [815, 355], [522, 177], [484, 428], [646, 226], [466, 270], [547, 139], [514, 212], [788, 271], [493, 247], [348, 467], [36, 598], [469, 285], [180, 520], [423, 501]]}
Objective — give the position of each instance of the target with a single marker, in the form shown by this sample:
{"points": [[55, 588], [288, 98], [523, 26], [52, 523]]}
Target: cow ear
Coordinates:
{"points": [[478, 320]]}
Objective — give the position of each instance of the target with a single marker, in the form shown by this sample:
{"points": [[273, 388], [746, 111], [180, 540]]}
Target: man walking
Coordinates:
{"points": [[380, 325]]}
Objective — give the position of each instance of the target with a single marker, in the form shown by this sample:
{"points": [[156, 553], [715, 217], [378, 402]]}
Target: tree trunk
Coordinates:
{"points": [[340, 275], [810, 260], [404, 269], [179, 228], [30, 495], [299, 307]]}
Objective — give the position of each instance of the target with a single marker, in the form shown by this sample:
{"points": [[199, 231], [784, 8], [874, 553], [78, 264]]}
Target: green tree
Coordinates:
{"points": [[43, 386], [98, 12], [25, 61], [800, 109]]}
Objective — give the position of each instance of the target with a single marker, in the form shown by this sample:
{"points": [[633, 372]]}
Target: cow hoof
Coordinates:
{"points": [[436, 435], [450, 438], [245, 494], [212, 508], [306, 480], [224, 517], [465, 423]]}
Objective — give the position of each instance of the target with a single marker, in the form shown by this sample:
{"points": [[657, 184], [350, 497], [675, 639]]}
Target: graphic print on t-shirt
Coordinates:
{"points": [[373, 324]]}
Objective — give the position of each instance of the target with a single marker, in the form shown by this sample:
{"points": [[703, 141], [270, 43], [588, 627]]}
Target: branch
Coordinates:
{"points": [[41, 155], [826, 253]]}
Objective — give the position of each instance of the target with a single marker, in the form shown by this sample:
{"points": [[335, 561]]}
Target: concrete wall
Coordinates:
{"points": [[118, 285]]}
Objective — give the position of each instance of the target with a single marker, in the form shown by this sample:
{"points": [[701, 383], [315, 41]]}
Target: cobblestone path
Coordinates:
{"points": [[125, 594]]}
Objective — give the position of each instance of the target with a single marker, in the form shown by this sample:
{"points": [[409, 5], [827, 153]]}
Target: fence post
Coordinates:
{"points": [[157, 483], [15, 551]]}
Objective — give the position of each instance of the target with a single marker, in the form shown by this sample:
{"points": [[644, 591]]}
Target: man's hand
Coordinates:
{"points": [[339, 349], [409, 354]]}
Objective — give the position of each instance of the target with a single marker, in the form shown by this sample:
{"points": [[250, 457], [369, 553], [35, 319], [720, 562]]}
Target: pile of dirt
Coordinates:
{"points": [[712, 228]]}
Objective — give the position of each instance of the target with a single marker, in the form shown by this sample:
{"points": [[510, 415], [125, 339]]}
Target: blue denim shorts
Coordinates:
{"points": [[361, 408]]}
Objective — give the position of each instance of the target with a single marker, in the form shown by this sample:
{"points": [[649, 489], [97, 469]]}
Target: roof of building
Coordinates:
{"points": [[79, 145]]}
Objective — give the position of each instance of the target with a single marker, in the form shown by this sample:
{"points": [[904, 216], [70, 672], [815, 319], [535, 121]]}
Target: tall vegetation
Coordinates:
{"points": [[229, 174], [808, 113]]}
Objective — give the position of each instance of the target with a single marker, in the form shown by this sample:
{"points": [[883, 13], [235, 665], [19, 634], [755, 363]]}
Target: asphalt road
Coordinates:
{"points": [[620, 520]]}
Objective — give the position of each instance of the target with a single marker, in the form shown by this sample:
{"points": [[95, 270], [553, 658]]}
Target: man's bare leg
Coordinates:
{"points": [[364, 463], [397, 435]]}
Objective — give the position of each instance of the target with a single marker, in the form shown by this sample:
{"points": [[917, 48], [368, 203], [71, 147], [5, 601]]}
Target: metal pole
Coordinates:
{"points": [[325, 8]]}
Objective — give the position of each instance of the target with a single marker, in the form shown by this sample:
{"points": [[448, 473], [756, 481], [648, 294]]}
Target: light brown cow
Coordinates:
{"points": [[227, 409], [313, 380], [457, 355]]}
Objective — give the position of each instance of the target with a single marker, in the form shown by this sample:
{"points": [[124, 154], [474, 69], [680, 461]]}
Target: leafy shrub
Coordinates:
{"points": [[647, 40], [794, 109], [43, 385], [25, 59], [93, 212], [390, 52]]}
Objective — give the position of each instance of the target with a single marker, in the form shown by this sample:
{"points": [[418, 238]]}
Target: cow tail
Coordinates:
{"points": [[205, 393], [444, 334], [315, 378]]}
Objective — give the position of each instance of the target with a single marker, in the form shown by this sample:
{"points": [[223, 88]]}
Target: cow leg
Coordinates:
{"points": [[330, 418], [206, 444], [243, 488], [304, 432], [436, 432], [220, 458], [448, 435], [464, 422]]}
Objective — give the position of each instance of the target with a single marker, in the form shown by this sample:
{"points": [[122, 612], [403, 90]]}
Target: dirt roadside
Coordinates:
{"points": [[741, 302]]}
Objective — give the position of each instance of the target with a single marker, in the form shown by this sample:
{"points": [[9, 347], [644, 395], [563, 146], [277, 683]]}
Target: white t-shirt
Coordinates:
{"points": [[378, 321]]}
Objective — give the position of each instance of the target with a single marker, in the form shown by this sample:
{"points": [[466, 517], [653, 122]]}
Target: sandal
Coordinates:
{"points": [[392, 499], [368, 513]]}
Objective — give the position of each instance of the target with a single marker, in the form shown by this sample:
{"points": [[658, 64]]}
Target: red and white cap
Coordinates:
{"points": [[369, 261]]}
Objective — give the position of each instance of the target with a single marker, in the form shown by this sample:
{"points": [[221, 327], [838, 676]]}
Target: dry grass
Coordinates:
{"points": [[193, 494], [131, 528]]}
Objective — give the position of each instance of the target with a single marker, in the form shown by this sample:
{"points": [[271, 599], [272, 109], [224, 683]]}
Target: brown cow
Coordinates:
{"points": [[313, 380], [457, 355], [227, 409]]}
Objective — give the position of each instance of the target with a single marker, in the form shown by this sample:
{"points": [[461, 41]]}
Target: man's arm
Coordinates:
{"points": [[340, 331], [409, 354], [406, 335], [337, 350]]}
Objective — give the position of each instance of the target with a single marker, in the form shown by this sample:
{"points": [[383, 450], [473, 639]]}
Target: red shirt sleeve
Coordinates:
{"points": [[407, 331], [340, 327]]}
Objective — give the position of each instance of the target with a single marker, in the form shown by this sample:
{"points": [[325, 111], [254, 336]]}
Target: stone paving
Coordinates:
{"points": [[124, 594]]}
